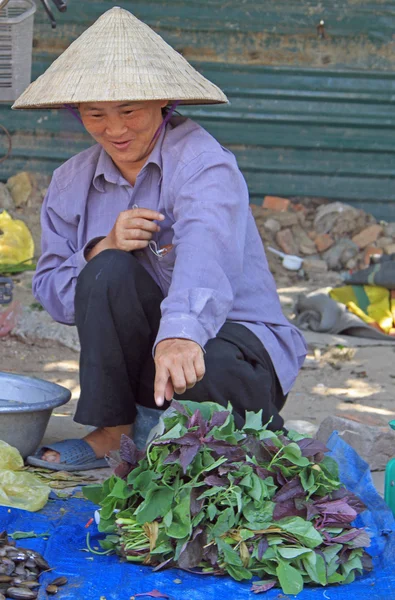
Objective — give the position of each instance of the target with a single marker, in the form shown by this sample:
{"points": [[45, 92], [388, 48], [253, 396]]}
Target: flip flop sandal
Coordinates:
{"points": [[75, 455]]}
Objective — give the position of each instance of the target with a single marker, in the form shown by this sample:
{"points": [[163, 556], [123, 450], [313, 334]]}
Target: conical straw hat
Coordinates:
{"points": [[119, 58]]}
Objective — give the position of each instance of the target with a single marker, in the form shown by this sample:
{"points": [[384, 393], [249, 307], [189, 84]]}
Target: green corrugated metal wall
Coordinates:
{"points": [[312, 111]]}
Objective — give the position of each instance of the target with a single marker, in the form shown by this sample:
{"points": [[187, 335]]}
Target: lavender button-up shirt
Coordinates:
{"points": [[216, 271]]}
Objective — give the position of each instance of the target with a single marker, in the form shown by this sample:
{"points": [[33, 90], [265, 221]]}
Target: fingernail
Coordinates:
{"points": [[161, 217], [159, 401]]}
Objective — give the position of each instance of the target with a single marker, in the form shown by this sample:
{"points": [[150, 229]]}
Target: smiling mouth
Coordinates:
{"points": [[121, 145]]}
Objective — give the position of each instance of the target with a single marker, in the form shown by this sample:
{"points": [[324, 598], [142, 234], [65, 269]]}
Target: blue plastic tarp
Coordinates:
{"points": [[91, 577]]}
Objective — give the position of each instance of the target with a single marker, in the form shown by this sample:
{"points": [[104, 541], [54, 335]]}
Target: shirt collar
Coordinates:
{"points": [[107, 170]]}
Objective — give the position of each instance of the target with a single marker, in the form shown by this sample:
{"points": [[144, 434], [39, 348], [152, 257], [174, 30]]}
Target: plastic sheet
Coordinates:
{"points": [[19, 489], [16, 242], [91, 577]]}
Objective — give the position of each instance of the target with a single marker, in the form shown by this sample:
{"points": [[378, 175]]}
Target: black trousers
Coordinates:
{"points": [[117, 310]]}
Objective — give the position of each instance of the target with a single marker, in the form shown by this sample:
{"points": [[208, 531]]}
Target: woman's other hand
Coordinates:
{"points": [[132, 230], [179, 366]]}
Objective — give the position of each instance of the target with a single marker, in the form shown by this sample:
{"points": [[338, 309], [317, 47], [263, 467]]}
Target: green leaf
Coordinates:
{"points": [[258, 515], [168, 518], [315, 566], [253, 422], [224, 522], [290, 579], [231, 557], [257, 492], [331, 551], [144, 481], [211, 511], [293, 453], [330, 467], [94, 493], [121, 490], [291, 553], [336, 578], [354, 563], [303, 530], [157, 503], [181, 523], [211, 492], [215, 464], [238, 573], [307, 479]]}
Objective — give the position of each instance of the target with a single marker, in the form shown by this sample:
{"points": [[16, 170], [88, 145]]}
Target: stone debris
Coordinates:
{"points": [[374, 444], [331, 237], [6, 200], [38, 327], [20, 187]]}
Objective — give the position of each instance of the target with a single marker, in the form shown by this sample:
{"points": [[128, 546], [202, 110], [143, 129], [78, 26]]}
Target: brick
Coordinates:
{"points": [[371, 251], [323, 241], [275, 203], [367, 236], [285, 240], [297, 207]]}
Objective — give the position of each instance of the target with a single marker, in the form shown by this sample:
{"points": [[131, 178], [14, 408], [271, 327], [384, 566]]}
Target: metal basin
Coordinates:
{"points": [[26, 403]]}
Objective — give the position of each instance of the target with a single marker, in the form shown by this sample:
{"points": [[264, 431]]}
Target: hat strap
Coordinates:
{"points": [[165, 120]]}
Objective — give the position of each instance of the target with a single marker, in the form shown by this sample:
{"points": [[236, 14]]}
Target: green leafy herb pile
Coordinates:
{"points": [[252, 503]]}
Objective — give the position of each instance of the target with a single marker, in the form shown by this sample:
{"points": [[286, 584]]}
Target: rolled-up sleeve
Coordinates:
{"points": [[61, 261], [211, 209]]}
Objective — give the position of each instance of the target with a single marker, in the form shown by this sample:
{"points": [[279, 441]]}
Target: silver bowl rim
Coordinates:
{"points": [[61, 395]]}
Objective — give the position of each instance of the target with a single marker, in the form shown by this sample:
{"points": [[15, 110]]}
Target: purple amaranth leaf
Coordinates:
{"points": [[179, 408], [225, 468], [262, 546], [128, 450], [210, 553], [187, 454], [222, 448], [188, 439], [153, 594], [263, 586], [257, 449], [192, 552], [219, 418], [173, 457], [355, 538], [195, 420], [263, 473], [123, 469], [196, 505], [337, 510], [366, 561], [279, 477], [356, 503], [273, 449], [310, 447], [292, 489], [214, 480], [287, 509], [344, 555]]}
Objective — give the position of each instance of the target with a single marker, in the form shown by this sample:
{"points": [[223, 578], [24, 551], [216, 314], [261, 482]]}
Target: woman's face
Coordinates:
{"points": [[124, 129]]}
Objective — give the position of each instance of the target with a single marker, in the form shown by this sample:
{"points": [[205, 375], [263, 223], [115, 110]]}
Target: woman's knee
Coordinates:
{"points": [[106, 269]]}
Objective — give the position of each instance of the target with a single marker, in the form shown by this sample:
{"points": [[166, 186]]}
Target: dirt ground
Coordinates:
{"points": [[353, 382]]}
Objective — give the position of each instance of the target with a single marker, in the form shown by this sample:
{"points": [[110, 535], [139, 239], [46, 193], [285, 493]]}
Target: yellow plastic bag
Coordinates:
{"points": [[16, 242], [19, 489]]}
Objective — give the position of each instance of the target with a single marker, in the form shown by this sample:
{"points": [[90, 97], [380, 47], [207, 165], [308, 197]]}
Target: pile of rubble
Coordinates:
{"points": [[329, 236]]}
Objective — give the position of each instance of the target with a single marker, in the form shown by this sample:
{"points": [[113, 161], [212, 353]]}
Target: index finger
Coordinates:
{"points": [[145, 213], [161, 378]]}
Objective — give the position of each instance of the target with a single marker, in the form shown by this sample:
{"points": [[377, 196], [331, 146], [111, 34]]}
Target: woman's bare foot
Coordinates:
{"points": [[101, 441]]}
